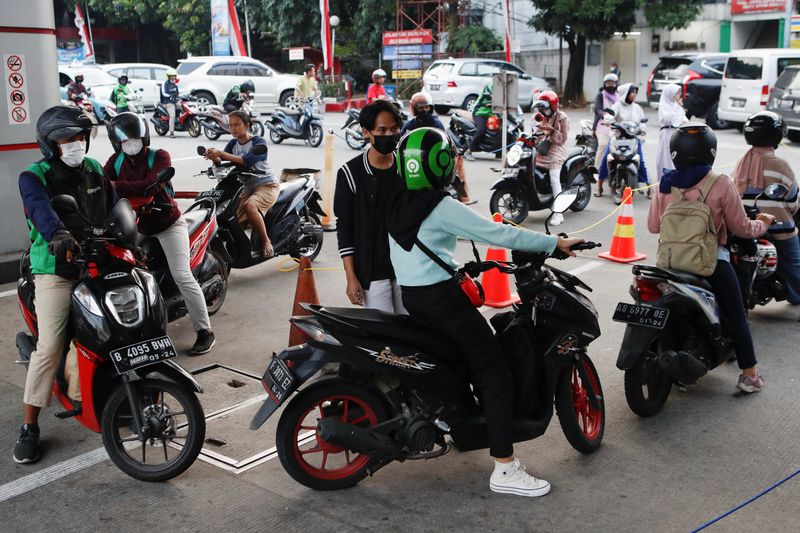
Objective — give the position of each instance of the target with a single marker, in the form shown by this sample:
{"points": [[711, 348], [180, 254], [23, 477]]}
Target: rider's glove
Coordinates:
{"points": [[63, 242]]}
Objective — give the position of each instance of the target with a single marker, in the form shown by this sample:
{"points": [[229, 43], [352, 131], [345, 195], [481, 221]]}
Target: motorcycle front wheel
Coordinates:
{"points": [[354, 139], [306, 457], [210, 134], [314, 135], [193, 127], [173, 422], [615, 183], [583, 424], [510, 203], [161, 129], [647, 387]]}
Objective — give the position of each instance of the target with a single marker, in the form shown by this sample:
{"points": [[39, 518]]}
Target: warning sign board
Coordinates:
{"points": [[16, 89]]}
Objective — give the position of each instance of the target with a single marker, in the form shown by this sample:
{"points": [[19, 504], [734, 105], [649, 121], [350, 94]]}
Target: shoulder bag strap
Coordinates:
{"points": [[435, 258], [712, 179]]}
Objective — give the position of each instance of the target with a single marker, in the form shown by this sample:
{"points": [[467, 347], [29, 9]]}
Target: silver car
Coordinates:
{"points": [[458, 82]]}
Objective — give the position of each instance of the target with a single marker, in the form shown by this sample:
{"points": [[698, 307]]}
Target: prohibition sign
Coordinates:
{"points": [[14, 63], [19, 114], [15, 80], [17, 97]]}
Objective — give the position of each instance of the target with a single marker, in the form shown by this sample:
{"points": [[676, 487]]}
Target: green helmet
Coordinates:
{"points": [[426, 159]]}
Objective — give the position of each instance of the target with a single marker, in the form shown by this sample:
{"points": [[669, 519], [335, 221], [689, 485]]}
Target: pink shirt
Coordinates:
{"points": [[374, 92], [727, 210]]}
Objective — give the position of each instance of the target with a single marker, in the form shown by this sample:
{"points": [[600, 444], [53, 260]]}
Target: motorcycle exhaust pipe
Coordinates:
{"points": [[357, 439], [682, 366]]}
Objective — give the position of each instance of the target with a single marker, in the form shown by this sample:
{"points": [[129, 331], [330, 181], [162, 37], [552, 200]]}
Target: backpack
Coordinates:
{"points": [[151, 159], [688, 238]]}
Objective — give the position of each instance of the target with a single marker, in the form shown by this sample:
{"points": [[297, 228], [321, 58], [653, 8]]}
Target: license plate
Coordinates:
{"points": [[641, 315], [786, 104], [435, 87], [510, 172], [142, 354], [214, 194], [737, 102], [279, 378]]}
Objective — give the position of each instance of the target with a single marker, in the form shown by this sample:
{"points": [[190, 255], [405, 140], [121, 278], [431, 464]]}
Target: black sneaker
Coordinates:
{"points": [[204, 342], [27, 448]]}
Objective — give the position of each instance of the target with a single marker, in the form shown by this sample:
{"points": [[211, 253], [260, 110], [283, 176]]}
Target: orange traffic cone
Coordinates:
{"points": [[496, 285], [306, 292], [623, 245]]}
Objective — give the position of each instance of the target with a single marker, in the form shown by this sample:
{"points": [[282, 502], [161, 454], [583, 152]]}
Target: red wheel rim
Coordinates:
{"points": [[321, 459], [589, 418]]}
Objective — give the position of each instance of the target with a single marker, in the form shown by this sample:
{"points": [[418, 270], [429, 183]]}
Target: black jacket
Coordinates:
{"points": [[360, 204]]}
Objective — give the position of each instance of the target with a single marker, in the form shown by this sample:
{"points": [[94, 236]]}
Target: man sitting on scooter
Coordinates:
{"points": [[63, 134], [120, 93], [76, 91], [481, 110], [237, 95], [260, 191], [133, 168]]}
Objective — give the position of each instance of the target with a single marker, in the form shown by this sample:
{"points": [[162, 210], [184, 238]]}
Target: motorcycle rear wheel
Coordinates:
{"points": [[510, 203], [210, 134], [584, 191], [314, 135], [312, 251], [354, 139], [257, 128], [583, 424], [193, 127], [215, 303], [307, 458], [161, 129], [647, 387], [176, 421]]}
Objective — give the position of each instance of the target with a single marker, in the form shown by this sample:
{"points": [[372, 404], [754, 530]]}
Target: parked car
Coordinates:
{"points": [[95, 79], [701, 86], [749, 74], [784, 99], [458, 82], [147, 76], [209, 78], [670, 69]]}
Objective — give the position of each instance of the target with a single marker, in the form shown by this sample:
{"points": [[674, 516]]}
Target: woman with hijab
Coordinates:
{"points": [[670, 116]]}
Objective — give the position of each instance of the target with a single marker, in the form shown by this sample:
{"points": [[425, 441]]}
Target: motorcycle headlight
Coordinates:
{"points": [[87, 299], [514, 155], [126, 305], [147, 281]]}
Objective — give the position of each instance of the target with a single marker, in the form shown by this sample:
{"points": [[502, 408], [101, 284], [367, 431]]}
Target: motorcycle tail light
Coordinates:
{"points": [[649, 290]]}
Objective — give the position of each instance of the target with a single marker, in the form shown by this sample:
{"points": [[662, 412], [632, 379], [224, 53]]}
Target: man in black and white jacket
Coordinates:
{"points": [[364, 187]]}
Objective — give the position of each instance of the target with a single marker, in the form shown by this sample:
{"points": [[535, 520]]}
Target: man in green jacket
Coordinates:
{"points": [[481, 110], [119, 96]]}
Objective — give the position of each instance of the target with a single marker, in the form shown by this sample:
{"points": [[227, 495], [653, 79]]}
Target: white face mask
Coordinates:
{"points": [[132, 146], [72, 154]]}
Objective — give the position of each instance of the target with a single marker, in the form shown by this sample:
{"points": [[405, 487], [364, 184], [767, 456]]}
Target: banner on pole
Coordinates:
{"points": [[220, 28], [325, 34], [83, 32], [235, 31]]}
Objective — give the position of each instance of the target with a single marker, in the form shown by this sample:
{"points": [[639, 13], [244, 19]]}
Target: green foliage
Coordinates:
{"points": [[671, 14], [336, 90], [474, 39]]}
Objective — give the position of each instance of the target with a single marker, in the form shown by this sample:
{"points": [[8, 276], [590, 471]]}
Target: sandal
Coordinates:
{"points": [[268, 251], [599, 193]]}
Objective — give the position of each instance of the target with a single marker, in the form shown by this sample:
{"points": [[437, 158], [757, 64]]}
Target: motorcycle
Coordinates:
{"points": [[214, 120], [135, 105], [352, 129], [82, 101], [293, 223], [524, 187], [305, 124], [623, 158], [462, 130], [400, 392], [207, 263], [587, 138], [185, 117], [132, 392]]}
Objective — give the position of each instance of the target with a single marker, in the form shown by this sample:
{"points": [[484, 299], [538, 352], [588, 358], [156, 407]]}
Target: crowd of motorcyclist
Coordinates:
{"points": [[396, 225]]}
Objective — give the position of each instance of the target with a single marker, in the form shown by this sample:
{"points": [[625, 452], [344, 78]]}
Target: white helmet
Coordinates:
{"points": [[611, 77], [422, 98], [378, 73]]}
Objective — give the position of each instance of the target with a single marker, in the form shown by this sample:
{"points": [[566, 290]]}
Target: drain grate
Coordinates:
{"points": [[225, 388]]}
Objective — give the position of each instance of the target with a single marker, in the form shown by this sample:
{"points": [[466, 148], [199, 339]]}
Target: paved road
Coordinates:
{"points": [[708, 451]]}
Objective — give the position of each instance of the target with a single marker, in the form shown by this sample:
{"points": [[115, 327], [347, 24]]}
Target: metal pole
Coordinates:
{"points": [[89, 25], [247, 30], [333, 54], [505, 118], [561, 62]]}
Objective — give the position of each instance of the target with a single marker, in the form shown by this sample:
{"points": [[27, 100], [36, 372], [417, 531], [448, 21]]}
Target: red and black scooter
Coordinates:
{"points": [[208, 257], [132, 392], [185, 117]]}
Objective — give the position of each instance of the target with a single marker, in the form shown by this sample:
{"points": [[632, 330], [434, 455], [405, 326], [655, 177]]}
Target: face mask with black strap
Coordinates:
{"points": [[471, 288]]}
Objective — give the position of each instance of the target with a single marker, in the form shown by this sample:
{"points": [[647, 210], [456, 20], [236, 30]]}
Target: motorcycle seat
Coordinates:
{"points": [[572, 152], [462, 119], [289, 112], [676, 275], [194, 219], [289, 189]]}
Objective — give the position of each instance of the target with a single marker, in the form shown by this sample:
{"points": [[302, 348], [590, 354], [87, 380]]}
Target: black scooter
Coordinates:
{"points": [[304, 124], [353, 135], [462, 130], [400, 389], [623, 158], [524, 187], [293, 223]]}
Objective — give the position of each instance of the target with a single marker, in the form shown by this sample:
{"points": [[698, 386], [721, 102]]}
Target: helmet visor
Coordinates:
{"points": [[128, 127]]}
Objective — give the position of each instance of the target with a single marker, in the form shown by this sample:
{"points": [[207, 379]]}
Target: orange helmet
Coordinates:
{"points": [[546, 100], [493, 123]]}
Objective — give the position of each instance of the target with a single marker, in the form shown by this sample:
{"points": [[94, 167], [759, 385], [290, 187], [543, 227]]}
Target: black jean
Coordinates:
{"points": [[480, 123], [229, 108], [445, 308], [729, 297]]}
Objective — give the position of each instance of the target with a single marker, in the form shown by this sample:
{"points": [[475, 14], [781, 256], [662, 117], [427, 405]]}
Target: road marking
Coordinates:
{"points": [[51, 473], [586, 267], [8, 293], [187, 158]]}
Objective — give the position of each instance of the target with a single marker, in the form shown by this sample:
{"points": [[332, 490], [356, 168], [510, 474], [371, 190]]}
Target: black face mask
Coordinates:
{"points": [[385, 144], [424, 116], [610, 90]]}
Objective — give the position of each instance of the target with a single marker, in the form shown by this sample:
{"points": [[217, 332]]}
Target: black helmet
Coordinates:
{"points": [[693, 144], [764, 128], [79, 78], [426, 159], [128, 126], [247, 87], [123, 79], [62, 122]]}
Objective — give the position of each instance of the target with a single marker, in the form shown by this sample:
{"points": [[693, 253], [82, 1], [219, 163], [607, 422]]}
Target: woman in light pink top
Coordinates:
{"points": [[693, 148]]}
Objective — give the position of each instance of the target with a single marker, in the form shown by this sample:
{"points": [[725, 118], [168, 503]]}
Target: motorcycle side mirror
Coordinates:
{"points": [[64, 204], [259, 149], [644, 120], [163, 176], [121, 222], [776, 191], [201, 150], [564, 200]]}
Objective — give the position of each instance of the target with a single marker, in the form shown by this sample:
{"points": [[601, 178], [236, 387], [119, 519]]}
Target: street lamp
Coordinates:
{"points": [[334, 22]]}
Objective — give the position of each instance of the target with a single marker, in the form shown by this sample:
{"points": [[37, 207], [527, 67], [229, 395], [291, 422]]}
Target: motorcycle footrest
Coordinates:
{"points": [[77, 409]]}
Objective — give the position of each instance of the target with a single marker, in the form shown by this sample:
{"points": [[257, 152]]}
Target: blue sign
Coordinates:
{"points": [[220, 22], [410, 51], [69, 55], [407, 64]]}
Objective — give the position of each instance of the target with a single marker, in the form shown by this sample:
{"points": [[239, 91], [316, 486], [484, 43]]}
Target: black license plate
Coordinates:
{"points": [[279, 379], [213, 194], [142, 354], [509, 172], [641, 315]]}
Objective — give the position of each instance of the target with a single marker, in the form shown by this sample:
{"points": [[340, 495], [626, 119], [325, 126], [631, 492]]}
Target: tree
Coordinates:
{"points": [[579, 21], [473, 39]]}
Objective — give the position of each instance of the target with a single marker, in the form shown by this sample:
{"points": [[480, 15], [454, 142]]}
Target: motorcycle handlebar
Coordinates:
{"points": [[474, 268]]}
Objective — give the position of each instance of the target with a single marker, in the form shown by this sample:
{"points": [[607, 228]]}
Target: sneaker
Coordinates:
{"points": [[468, 156], [171, 135], [27, 448], [204, 342], [511, 478], [748, 384], [557, 220]]}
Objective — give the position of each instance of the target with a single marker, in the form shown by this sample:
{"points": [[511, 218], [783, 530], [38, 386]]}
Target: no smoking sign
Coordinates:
{"points": [[16, 89]]}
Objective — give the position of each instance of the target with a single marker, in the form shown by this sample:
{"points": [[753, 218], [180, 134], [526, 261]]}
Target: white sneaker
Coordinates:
{"points": [[511, 478], [557, 219]]}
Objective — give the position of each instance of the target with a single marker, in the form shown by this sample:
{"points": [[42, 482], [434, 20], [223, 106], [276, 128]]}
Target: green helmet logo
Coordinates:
{"points": [[426, 159]]}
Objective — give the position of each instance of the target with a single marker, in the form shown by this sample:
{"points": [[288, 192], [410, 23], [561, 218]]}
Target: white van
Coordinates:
{"points": [[749, 76]]}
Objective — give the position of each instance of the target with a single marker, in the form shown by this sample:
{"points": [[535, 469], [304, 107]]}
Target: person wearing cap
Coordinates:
{"points": [[169, 97], [120, 94], [307, 86], [63, 134], [377, 91]]}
